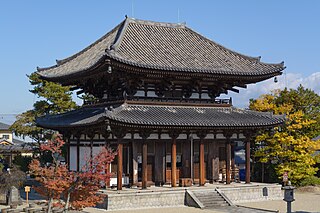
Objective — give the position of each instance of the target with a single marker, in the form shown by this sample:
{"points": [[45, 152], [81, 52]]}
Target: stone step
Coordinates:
{"points": [[210, 199], [208, 195], [215, 206], [214, 202]]}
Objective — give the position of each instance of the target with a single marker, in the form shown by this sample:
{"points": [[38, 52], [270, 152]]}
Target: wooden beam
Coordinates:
{"points": [[144, 164], [234, 90]]}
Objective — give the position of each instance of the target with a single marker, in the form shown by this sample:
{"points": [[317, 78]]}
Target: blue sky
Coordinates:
{"points": [[36, 33]]}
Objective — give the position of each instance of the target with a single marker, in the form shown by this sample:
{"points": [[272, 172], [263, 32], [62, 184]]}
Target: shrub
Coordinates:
{"points": [[311, 181], [15, 178], [22, 162]]}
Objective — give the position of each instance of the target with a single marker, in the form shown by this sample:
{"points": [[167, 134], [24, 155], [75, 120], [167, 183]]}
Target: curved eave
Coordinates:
{"points": [[207, 73], [251, 77], [83, 117], [193, 127]]}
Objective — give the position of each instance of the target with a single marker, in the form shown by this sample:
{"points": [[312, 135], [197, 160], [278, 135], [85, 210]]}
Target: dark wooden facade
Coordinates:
{"points": [[155, 88]]}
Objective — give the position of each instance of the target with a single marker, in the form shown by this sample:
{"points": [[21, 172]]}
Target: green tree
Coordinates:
{"points": [[290, 148], [53, 99]]}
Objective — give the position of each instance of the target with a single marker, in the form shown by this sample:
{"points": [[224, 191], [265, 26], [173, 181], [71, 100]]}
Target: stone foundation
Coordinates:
{"points": [[145, 200], [253, 193], [178, 197]]}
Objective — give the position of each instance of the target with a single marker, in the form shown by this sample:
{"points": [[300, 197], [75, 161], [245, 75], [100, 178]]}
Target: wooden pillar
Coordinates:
{"points": [[144, 164], [78, 152], [144, 134], [174, 135], [159, 161], [68, 152], [233, 166], [247, 158], [201, 163], [201, 135], [119, 164], [186, 158], [135, 162], [106, 135], [228, 158], [119, 133], [174, 162], [91, 148]]}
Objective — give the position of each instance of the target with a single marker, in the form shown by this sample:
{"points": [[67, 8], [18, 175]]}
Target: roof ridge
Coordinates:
{"points": [[128, 20], [119, 37], [156, 23], [65, 60]]}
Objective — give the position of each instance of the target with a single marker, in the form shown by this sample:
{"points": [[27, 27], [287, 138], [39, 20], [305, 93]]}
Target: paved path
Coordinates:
{"points": [[179, 210], [304, 202]]}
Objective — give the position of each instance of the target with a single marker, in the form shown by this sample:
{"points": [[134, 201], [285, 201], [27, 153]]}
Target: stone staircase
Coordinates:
{"points": [[210, 199]]}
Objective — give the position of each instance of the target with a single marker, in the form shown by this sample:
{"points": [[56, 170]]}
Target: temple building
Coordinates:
{"points": [[156, 87]]}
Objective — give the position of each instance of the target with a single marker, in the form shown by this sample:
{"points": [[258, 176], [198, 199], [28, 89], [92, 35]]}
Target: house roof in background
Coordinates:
{"points": [[4, 126]]}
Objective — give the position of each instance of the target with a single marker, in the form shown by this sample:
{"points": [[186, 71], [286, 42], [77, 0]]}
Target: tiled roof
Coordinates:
{"points": [[15, 148], [4, 126], [190, 116], [162, 46], [81, 61], [81, 117], [153, 116]]}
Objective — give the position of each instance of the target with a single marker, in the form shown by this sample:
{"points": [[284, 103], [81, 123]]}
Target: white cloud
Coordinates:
{"points": [[289, 80]]}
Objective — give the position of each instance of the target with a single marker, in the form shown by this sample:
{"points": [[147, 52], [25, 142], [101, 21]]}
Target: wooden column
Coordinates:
{"points": [[233, 166], [119, 164], [159, 161], [201, 163], [78, 152], [247, 158], [135, 162], [174, 162], [144, 164], [91, 148], [144, 134], [119, 133], [174, 134], [68, 152], [228, 157], [106, 135], [202, 168]]}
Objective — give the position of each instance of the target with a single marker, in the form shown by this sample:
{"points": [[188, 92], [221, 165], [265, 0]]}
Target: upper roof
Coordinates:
{"points": [[164, 47], [162, 116], [4, 126]]}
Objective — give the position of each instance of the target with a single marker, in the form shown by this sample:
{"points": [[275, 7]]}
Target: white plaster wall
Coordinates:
{"points": [[73, 158], [84, 155], [96, 150]]}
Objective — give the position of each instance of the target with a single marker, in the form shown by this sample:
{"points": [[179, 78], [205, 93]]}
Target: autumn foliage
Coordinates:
{"points": [[289, 147], [71, 189]]}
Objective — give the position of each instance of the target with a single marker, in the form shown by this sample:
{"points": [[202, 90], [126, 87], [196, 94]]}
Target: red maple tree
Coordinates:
{"points": [[71, 189]]}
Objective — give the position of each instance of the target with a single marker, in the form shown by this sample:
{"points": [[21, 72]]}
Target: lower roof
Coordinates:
{"points": [[162, 116]]}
